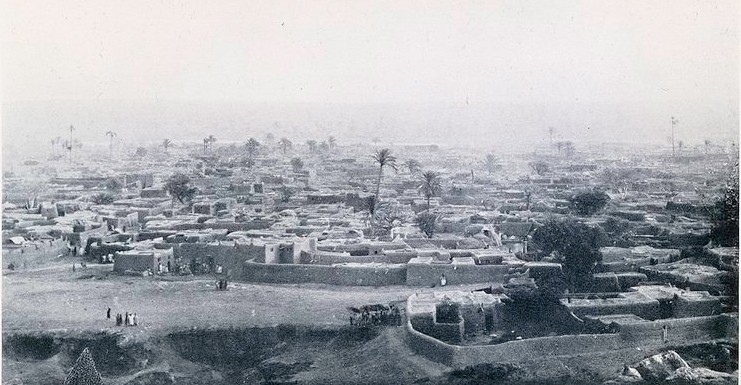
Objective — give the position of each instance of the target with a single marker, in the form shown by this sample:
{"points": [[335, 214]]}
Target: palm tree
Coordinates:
{"points": [[412, 165], [707, 146], [324, 146], [674, 123], [59, 142], [491, 163], [211, 141], [166, 143], [205, 144], [384, 158], [285, 145], [431, 185], [569, 148], [312, 145], [110, 135], [69, 144], [251, 146], [332, 142]]}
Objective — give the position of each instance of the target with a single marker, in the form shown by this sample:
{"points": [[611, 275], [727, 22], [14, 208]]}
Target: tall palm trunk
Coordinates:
{"points": [[378, 183]]}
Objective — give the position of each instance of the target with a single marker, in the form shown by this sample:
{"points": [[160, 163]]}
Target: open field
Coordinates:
{"points": [[52, 297]]}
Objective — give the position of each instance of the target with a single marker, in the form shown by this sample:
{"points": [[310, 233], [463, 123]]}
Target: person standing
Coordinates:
{"points": [[108, 313], [665, 333], [136, 321]]}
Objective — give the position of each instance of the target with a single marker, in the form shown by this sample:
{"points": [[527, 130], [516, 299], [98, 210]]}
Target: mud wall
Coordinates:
{"points": [[328, 258], [331, 275], [679, 330], [229, 256], [455, 274], [646, 335], [648, 309]]}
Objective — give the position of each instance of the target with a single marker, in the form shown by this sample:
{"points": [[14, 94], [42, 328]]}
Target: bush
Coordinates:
{"points": [[575, 245], [589, 202], [178, 187], [540, 167], [426, 222], [103, 199], [725, 214]]}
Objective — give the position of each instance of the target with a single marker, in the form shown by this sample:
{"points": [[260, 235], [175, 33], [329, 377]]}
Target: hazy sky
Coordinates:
{"points": [[648, 53], [371, 51]]}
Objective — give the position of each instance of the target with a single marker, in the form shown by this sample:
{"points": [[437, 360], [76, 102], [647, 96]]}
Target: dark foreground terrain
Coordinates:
{"points": [[291, 355], [252, 334]]}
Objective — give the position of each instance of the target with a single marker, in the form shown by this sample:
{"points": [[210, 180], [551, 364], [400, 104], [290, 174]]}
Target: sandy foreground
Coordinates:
{"points": [[53, 297]]}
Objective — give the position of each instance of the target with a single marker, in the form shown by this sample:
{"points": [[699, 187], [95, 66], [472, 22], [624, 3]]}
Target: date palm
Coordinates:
{"points": [[383, 158], [110, 135], [285, 145], [312, 145], [412, 165], [166, 143], [431, 185], [332, 142], [491, 163], [252, 146], [69, 144]]}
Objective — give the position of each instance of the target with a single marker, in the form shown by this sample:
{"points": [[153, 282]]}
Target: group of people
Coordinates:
{"points": [[384, 317], [128, 319]]}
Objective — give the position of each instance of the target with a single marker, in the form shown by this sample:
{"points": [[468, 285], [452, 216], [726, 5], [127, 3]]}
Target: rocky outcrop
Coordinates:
{"points": [[700, 376], [660, 366]]}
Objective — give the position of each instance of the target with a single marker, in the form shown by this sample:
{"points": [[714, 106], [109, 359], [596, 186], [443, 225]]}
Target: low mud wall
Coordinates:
{"points": [[328, 258], [679, 330], [647, 335], [331, 275], [455, 274], [229, 256]]}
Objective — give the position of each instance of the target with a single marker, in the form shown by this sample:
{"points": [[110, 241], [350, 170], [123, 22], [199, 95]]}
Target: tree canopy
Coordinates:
{"points": [[575, 245], [588, 202], [178, 186], [297, 164], [539, 167], [431, 185], [426, 221], [725, 214]]}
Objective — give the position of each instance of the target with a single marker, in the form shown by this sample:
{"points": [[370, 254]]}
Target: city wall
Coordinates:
{"points": [[647, 335], [331, 275], [419, 274]]}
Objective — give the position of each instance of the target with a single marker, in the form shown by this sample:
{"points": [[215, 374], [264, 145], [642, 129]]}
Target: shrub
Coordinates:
{"points": [[575, 245], [589, 202]]}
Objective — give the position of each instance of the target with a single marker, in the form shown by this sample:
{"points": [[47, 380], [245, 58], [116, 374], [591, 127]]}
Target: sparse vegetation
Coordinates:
{"points": [[103, 198], [588, 203], [725, 213], [178, 186], [427, 221], [431, 185], [539, 167], [575, 245]]}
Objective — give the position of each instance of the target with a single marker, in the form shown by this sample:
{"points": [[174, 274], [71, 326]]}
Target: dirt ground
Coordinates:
{"points": [[53, 297]]}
